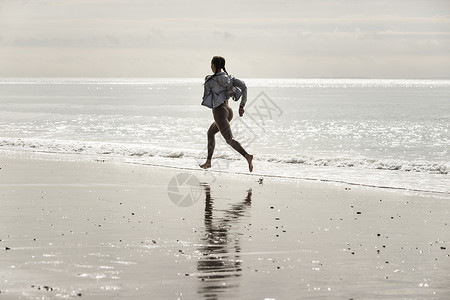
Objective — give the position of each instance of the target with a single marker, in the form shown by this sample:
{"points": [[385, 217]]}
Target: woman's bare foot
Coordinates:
{"points": [[249, 159], [206, 165]]}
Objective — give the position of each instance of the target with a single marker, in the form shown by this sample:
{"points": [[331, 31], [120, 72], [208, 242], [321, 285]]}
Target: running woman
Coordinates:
{"points": [[216, 96]]}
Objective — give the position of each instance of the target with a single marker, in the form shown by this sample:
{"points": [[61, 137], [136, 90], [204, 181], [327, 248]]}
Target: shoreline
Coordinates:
{"points": [[235, 171], [98, 230]]}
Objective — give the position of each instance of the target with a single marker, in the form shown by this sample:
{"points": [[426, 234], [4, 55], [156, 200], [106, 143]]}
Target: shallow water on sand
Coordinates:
{"points": [[100, 231]]}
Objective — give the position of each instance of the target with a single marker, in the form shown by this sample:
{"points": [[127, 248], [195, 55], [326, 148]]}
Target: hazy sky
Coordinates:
{"points": [[259, 38]]}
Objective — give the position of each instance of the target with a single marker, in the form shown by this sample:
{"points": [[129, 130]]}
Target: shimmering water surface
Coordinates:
{"points": [[387, 133]]}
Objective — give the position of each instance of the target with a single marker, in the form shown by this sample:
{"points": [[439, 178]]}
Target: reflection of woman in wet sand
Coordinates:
{"points": [[216, 87], [220, 261]]}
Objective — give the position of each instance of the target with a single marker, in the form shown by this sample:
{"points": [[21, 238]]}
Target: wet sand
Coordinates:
{"points": [[100, 230]]}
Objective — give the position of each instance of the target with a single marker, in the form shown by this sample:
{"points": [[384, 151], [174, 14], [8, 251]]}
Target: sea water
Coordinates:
{"points": [[381, 133]]}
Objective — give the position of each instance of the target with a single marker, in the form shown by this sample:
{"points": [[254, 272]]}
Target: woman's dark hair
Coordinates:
{"points": [[219, 63]]}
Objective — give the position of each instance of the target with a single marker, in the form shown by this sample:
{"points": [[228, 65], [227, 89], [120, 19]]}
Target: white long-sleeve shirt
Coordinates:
{"points": [[218, 84]]}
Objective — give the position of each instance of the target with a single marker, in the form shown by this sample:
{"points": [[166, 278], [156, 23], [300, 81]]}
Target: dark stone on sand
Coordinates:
{"points": [[44, 287], [378, 234]]}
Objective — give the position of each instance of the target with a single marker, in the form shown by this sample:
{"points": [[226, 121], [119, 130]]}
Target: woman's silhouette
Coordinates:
{"points": [[215, 96]]}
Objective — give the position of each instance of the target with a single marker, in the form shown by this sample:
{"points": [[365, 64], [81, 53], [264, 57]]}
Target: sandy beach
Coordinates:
{"points": [[105, 230]]}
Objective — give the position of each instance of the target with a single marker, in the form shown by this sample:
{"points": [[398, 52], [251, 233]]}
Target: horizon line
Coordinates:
{"points": [[152, 77]]}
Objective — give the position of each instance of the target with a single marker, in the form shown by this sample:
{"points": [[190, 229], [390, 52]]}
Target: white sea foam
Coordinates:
{"points": [[129, 150], [394, 174]]}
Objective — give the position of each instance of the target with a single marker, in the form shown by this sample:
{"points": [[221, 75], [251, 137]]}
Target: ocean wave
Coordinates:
{"points": [[379, 164], [142, 151]]}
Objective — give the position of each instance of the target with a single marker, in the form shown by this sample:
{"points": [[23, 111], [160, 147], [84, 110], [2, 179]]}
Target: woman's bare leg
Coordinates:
{"points": [[222, 119], [211, 145]]}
